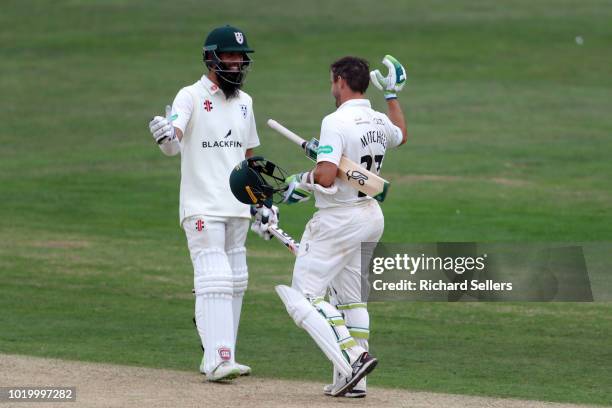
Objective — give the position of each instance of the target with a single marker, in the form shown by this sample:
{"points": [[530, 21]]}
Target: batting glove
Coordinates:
{"points": [[263, 218], [161, 128], [296, 191], [395, 79]]}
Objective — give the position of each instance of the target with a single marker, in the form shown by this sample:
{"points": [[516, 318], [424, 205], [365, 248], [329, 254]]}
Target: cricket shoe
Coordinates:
{"points": [[361, 367], [225, 371], [354, 393], [244, 369]]}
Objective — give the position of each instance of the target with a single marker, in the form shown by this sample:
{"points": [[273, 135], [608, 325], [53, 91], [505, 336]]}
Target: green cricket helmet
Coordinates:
{"points": [[257, 181], [227, 39]]}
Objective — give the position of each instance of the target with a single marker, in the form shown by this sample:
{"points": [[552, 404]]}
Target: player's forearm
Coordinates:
{"points": [[325, 173], [179, 133], [396, 116]]}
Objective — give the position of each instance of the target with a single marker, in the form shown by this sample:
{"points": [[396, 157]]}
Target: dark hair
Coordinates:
{"points": [[354, 70]]}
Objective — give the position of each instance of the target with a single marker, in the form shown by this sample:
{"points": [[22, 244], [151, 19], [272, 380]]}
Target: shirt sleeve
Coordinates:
{"points": [[331, 144], [253, 138], [394, 133], [182, 107]]}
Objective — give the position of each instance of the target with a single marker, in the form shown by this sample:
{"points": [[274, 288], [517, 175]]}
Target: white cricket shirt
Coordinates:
{"points": [[216, 134], [361, 134]]}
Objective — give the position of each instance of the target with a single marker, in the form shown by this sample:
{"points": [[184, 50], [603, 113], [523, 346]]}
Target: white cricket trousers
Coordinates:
{"points": [[216, 246], [330, 250]]}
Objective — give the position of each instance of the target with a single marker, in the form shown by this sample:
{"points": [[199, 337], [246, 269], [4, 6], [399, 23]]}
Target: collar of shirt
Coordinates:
{"points": [[356, 102], [209, 85]]}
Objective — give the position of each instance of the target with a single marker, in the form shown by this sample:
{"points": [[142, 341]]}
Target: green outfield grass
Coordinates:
{"points": [[510, 138]]}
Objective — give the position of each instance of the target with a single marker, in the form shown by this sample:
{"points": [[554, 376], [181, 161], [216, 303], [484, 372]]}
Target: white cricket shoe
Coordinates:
{"points": [[244, 369], [225, 371], [361, 367], [354, 393]]}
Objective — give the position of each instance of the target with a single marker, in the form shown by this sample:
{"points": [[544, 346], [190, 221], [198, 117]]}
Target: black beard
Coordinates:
{"points": [[230, 89]]}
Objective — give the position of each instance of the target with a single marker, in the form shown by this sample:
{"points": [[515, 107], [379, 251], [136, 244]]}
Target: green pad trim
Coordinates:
{"points": [[359, 333], [347, 306], [347, 343]]}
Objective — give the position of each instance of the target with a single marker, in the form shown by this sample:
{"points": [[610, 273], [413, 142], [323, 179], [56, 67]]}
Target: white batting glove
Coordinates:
{"points": [[395, 79], [264, 217], [161, 128]]}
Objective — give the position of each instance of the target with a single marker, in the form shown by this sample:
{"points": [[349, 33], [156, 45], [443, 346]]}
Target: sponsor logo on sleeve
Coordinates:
{"points": [[326, 149]]}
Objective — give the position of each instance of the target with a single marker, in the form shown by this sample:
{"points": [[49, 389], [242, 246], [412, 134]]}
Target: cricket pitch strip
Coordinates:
{"points": [[106, 385]]}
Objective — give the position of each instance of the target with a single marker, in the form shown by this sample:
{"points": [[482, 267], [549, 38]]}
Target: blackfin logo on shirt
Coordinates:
{"points": [[221, 143]]}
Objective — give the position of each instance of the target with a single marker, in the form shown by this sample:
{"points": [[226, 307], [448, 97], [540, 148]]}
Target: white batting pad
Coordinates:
{"points": [[307, 317], [240, 276], [213, 282]]}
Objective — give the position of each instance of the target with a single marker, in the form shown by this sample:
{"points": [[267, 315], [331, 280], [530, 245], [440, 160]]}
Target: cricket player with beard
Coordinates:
{"points": [[212, 125], [329, 255]]}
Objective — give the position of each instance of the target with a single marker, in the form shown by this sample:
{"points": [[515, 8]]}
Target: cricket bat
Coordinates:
{"points": [[357, 176], [292, 245]]}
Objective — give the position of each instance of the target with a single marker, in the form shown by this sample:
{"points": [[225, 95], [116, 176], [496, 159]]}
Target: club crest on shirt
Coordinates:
{"points": [[239, 37], [243, 108]]}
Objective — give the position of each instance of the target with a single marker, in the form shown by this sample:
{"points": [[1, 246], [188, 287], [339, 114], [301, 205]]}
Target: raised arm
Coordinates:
{"points": [[391, 85]]}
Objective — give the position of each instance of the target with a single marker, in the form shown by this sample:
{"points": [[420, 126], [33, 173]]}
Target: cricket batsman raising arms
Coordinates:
{"points": [[211, 123], [329, 252]]}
